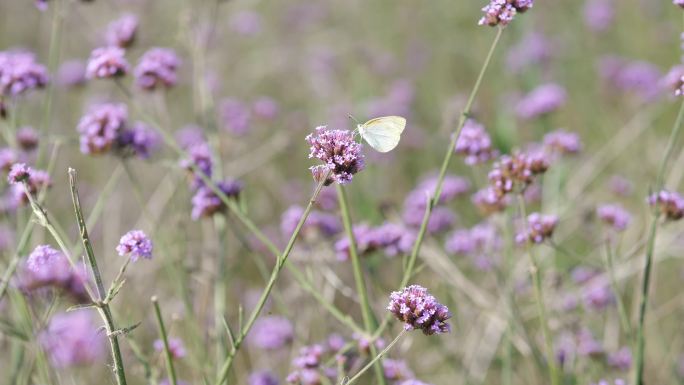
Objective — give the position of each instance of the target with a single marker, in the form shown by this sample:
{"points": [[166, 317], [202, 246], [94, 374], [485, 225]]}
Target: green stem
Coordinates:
{"points": [[167, 351], [650, 249], [535, 271], [369, 320], [103, 309], [280, 263], [380, 355], [622, 312]]}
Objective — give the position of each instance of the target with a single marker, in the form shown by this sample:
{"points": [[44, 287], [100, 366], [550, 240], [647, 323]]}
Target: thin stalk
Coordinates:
{"points": [[624, 318], [539, 299], [103, 309], [382, 353], [167, 351], [369, 320], [280, 263], [650, 249]]}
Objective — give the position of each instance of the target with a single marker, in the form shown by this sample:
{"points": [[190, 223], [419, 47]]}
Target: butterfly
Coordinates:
{"points": [[383, 133]]}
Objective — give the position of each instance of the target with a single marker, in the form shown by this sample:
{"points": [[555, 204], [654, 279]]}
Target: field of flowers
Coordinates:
{"points": [[190, 195]]}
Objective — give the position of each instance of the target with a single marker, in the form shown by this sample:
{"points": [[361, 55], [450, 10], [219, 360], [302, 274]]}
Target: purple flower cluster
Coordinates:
{"points": [[488, 201], [47, 268], [18, 173], [309, 365], [481, 243], [262, 378], [236, 116], [271, 333], [541, 101], [614, 215], [502, 12], [136, 244], [678, 2], [265, 108], [419, 310], [539, 228], [206, 202], [599, 14], [475, 143], [513, 173], [100, 127], [393, 239], [316, 223], [621, 359], [670, 204], [442, 218], [107, 62], [338, 151], [72, 339], [157, 68], [71, 73], [137, 139], [638, 77], [598, 295], [563, 142], [27, 138], [396, 370], [533, 50], [26, 180], [19, 72], [176, 347], [121, 32], [673, 81]]}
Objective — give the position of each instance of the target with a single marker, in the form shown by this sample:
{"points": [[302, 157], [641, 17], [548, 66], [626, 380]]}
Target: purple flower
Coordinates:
{"points": [[27, 138], [419, 310], [206, 202], [583, 274], [614, 215], [539, 228], [620, 186], [18, 173], [19, 73], [246, 23], [598, 295], [72, 339], [71, 73], [176, 347], [262, 378], [621, 359], [137, 244], [107, 62], [266, 108], [396, 370], [541, 101], [670, 204], [100, 127], [199, 156], [481, 242], [673, 81], [678, 2], [392, 239], [157, 68], [271, 333], [338, 151], [45, 267], [316, 222], [532, 50], [502, 12], [236, 116], [599, 14], [475, 143], [587, 345], [8, 157], [512, 173], [189, 136], [617, 381], [139, 140], [121, 32], [412, 381], [488, 201], [563, 142], [37, 181]]}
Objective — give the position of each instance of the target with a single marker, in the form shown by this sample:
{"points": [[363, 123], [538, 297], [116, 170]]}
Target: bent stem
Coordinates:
{"points": [[369, 320], [280, 263], [167, 351], [535, 272], [103, 308], [650, 249], [378, 357]]}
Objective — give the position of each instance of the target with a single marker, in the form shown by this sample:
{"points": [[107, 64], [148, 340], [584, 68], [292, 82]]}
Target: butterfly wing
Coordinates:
{"points": [[383, 133]]}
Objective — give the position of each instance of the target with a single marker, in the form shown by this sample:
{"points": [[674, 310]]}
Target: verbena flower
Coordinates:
{"points": [[45, 267], [588, 345], [271, 332], [481, 243], [198, 155], [338, 151], [533, 50], [563, 142], [100, 127], [638, 77], [157, 68], [412, 381], [488, 201], [176, 347], [502, 12], [539, 228], [138, 140], [206, 202], [541, 101], [8, 157], [513, 173], [670, 204], [390, 238], [262, 378], [236, 116], [19, 72], [136, 244], [36, 181], [599, 14], [107, 62], [620, 186], [620, 359], [678, 2], [246, 23], [317, 222], [614, 215], [419, 310], [18, 173], [72, 339], [121, 32], [189, 136], [598, 295], [27, 138], [71, 73], [475, 143], [265, 108], [396, 370]]}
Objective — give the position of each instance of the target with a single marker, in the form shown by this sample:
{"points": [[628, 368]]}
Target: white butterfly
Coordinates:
{"points": [[383, 133]]}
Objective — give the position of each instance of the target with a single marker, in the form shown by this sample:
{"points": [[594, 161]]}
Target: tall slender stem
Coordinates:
{"points": [[379, 356], [103, 309], [535, 272], [624, 318], [280, 263], [171, 370], [650, 249], [369, 320]]}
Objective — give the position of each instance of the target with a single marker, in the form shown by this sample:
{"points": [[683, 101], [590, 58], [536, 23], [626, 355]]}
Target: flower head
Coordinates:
{"points": [[100, 127], [157, 68], [515, 172], [72, 339], [236, 116], [271, 332], [338, 151], [396, 370], [176, 347], [262, 378], [121, 32], [71, 73], [563, 142], [27, 138], [45, 266], [419, 310], [614, 215], [502, 12], [107, 62], [678, 2], [475, 143], [539, 228], [19, 73], [541, 101], [481, 243], [139, 140], [670, 204], [488, 200], [18, 173], [206, 202], [621, 359], [136, 244], [599, 14]]}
